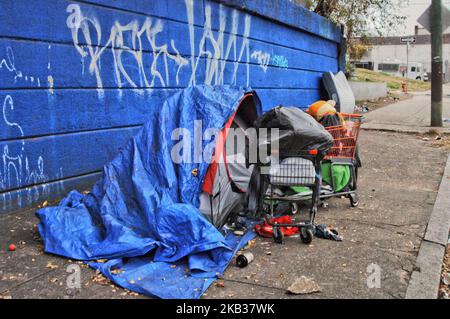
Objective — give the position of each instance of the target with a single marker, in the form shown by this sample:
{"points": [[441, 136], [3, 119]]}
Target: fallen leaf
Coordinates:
{"points": [[51, 265], [220, 284], [101, 280], [250, 244]]}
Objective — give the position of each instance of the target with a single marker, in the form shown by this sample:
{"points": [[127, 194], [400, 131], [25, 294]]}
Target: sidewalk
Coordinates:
{"points": [[409, 116], [397, 196]]}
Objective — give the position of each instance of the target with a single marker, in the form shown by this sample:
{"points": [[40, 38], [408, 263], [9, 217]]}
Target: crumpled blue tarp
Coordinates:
{"points": [[143, 214]]}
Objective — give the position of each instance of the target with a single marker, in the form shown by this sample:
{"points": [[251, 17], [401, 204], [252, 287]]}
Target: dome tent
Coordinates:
{"points": [[228, 175]]}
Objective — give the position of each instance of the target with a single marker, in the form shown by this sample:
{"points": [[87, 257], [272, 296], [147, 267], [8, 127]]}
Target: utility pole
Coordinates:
{"points": [[436, 63], [407, 61]]}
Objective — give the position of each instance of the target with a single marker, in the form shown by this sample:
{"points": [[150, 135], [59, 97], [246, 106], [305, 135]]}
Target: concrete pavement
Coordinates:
{"points": [[385, 232], [413, 116], [409, 116]]}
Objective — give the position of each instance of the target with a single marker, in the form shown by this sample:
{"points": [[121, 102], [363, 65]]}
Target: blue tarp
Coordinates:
{"points": [[143, 216]]}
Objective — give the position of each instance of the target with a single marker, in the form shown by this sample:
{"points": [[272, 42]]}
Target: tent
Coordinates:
{"points": [[144, 215], [228, 175]]}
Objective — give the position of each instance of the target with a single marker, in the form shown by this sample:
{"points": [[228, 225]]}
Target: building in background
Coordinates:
{"points": [[390, 55]]}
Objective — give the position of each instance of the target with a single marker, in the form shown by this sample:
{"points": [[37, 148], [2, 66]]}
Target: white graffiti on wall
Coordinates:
{"points": [[9, 64], [221, 53], [139, 36], [151, 58], [16, 170], [263, 59]]}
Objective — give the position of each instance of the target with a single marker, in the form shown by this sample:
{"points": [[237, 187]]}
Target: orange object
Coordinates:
{"points": [[404, 87], [12, 247], [345, 137], [321, 108], [313, 152]]}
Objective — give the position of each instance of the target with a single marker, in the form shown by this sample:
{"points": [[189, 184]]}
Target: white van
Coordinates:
{"points": [[416, 70]]}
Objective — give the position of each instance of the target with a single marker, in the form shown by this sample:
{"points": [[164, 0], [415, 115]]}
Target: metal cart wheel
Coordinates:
{"points": [[278, 235], [354, 199], [306, 235]]}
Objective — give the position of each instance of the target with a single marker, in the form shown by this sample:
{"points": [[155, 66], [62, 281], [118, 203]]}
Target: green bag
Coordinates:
{"points": [[341, 175]]}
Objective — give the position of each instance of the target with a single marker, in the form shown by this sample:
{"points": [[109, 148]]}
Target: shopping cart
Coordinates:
{"points": [[344, 152], [298, 169]]}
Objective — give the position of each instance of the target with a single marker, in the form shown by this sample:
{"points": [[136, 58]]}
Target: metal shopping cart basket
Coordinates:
{"points": [[344, 153], [298, 169]]}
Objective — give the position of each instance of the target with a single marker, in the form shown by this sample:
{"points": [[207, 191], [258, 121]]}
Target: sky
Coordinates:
{"points": [[413, 9]]}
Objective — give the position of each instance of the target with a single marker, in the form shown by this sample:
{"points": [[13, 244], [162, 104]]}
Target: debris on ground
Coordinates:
{"points": [[220, 284], [436, 139], [100, 279], [372, 105], [244, 259], [116, 271], [101, 261], [51, 265], [444, 290], [43, 205], [250, 244], [442, 142], [303, 286]]}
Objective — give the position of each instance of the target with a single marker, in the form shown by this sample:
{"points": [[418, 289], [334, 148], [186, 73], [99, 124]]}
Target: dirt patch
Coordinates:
{"points": [[434, 139], [372, 105], [444, 291]]}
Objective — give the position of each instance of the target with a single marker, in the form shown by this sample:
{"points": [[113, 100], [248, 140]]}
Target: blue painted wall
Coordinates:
{"points": [[78, 78]]}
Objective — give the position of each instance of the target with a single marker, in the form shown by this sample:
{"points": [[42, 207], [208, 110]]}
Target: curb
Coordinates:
{"points": [[404, 129], [426, 277]]}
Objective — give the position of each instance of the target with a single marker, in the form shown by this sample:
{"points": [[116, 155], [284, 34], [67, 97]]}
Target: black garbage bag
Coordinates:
{"points": [[298, 131]]}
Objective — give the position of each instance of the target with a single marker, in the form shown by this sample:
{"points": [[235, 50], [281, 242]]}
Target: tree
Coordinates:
{"points": [[361, 18]]}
